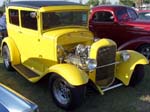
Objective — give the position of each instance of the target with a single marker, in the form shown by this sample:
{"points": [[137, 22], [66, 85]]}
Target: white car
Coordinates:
{"points": [[11, 101]]}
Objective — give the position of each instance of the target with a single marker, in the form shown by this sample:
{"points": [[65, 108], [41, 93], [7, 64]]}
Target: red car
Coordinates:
{"points": [[144, 14], [121, 24]]}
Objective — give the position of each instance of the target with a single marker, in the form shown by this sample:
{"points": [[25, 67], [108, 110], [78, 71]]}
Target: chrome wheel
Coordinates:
{"points": [[61, 91], [65, 95], [6, 62], [6, 58]]}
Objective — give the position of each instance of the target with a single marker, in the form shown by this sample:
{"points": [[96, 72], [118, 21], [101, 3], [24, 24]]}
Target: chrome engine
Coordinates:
{"points": [[78, 55]]}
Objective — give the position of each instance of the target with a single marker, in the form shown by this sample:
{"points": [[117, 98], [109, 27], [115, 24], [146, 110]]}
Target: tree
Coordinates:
{"points": [[80, 1], [93, 2], [108, 2], [103, 2], [127, 2], [147, 1], [139, 3], [6, 2]]}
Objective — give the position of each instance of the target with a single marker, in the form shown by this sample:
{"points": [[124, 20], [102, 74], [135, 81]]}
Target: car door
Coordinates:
{"points": [[29, 39], [125, 30], [105, 24], [102, 23]]}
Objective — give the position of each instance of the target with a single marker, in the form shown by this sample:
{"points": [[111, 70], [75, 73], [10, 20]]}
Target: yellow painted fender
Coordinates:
{"points": [[14, 53], [70, 73], [124, 70]]}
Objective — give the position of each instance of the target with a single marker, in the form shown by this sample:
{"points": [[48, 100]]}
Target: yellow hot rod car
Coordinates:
{"points": [[50, 38]]}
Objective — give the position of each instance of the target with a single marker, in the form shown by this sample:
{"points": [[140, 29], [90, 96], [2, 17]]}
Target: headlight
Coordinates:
{"points": [[125, 56], [91, 64]]}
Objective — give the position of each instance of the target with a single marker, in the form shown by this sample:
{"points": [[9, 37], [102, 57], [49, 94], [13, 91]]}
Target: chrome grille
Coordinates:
{"points": [[105, 55]]}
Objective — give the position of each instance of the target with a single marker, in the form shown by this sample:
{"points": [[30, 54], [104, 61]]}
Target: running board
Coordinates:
{"points": [[26, 72], [112, 87]]}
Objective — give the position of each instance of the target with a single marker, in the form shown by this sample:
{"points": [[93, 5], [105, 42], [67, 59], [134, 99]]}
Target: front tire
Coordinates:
{"points": [[145, 50], [6, 58], [137, 75], [64, 95]]}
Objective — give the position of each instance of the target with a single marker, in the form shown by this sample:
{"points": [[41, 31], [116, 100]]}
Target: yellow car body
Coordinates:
{"points": [[36, 52]]}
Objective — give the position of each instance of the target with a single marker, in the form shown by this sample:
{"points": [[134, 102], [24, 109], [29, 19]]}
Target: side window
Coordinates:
{"points": [[122, 14], [132, 14], [14, 17], [103, 16], [29, 20]]}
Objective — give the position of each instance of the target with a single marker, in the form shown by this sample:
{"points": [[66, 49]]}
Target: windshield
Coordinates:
{"points": [[57, 19], [132, 14], [125, 14]]}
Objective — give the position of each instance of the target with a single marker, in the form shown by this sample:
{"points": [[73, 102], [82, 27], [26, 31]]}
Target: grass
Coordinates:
{"points": [[122, 99]]}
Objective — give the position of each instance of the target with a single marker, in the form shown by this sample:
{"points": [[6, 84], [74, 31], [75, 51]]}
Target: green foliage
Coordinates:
{"points": [[93, 2], [127, 2], [2, 9], [103, 2], [146, 1]]}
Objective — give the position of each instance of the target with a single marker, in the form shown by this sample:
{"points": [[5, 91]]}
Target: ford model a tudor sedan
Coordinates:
{"points": [[48, 38]]}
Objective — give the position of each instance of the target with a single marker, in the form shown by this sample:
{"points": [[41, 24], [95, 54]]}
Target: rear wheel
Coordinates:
{"points": [[66, 96], [6, 58], [137, 76], [145, 50]]}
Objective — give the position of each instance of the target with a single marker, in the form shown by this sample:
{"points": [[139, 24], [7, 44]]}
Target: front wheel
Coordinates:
{"points": [[137, 75], [66, 96], [6, 58]]}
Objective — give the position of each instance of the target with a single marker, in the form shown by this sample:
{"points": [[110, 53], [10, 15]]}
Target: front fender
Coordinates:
{"points": [[70, 73], [124, 70], [14, 53]]}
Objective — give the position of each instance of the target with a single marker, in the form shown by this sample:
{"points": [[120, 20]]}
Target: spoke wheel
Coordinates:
{"points": [[64, 95], [61, 92]]}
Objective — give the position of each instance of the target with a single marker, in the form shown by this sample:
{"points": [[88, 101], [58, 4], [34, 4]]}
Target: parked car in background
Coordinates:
{"points": [[121, 24], [144, 14], [11, 101], [51, 38]]}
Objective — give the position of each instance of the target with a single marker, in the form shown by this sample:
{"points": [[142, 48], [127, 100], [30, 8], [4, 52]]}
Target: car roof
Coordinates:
{"points": [[39, 4], [110, 7]]}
